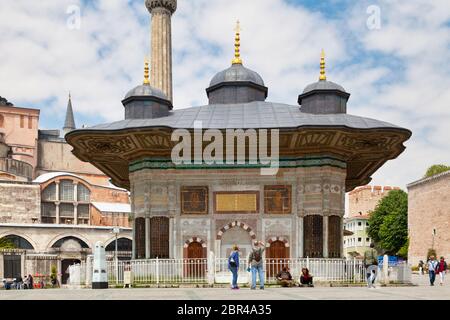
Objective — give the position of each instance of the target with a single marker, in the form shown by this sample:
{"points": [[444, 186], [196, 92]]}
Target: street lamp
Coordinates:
{"points": [[116, 231]]}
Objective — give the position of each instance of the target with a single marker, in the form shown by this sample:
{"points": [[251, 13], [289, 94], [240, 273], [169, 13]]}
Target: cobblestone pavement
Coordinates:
{"points": [[421, 292]]}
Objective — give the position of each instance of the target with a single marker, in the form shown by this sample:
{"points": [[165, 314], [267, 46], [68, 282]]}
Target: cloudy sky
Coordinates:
{"points": [[392, 56]]}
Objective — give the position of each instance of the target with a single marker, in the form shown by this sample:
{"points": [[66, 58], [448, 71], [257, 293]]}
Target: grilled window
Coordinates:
{"points": [[334, 237], [49, 193], [83, 193], [83, 211], [313, 236], [159, 233], [139, 229], [66, 190], [66, 210], [48, 209]]}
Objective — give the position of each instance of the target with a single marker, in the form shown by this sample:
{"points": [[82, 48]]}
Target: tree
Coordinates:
{"points": [[388, 223], [6, 244], [436, 169]]}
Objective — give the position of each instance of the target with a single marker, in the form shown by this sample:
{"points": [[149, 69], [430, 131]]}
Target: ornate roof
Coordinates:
{"points": [[363, 144], [256, 115]]}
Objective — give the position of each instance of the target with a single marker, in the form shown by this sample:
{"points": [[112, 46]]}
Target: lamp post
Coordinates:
{"points": [[116, 231]]}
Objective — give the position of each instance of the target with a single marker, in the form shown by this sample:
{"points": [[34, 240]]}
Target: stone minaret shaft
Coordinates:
{"points": [[161, 44]]}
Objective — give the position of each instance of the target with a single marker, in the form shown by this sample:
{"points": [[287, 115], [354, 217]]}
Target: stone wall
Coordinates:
{"points": [[363, 200], [428, 210], [20, 203], [56, 156]]}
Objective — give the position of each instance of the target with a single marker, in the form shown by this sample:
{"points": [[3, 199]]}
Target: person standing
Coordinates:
{"points": [[421, 267], [432, 265], [233, 266], [256, 263], [441, 269], [370, 264]]}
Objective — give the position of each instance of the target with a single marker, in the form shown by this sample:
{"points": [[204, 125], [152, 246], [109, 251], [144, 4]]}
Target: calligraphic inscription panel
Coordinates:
{"points": [[236, 202], [194, 200], [277, 199]]}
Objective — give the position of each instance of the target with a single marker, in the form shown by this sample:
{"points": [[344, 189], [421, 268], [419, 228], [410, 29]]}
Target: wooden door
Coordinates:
{"points": [[277, 256], [196, 260]]}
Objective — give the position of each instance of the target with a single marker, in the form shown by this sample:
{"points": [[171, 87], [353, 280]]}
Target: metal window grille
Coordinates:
{"points": [[48, 209], [334, 237], [66, 190], [83, 193], [83, 211], [49, 193], [313, 236], [66, 210]]}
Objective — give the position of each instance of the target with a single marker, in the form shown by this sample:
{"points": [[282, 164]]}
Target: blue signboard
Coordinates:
{"points": [[392, 261]]}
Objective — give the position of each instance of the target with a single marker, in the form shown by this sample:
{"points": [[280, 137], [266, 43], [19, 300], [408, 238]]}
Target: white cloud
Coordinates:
{"points": [[398, 74]]}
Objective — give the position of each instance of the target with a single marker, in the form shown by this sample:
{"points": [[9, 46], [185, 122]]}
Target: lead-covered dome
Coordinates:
{"points": [[237, 73], [236, 84]]}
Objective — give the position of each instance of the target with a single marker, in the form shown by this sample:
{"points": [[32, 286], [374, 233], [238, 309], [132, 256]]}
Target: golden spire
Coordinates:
{"points": [[323, 76], [146, 72], [237, 44]]}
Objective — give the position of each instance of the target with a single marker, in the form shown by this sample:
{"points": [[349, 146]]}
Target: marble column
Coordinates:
{"points": [[133, 244], [325, 236], [300, 237], [161, 44], [147, 238]]}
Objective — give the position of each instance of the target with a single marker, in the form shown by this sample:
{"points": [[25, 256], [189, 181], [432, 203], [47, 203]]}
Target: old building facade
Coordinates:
{"points": [[53, 207], [429, 217]]}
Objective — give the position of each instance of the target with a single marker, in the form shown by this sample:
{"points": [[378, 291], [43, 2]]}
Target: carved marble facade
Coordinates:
{"points": [[299, 192]]}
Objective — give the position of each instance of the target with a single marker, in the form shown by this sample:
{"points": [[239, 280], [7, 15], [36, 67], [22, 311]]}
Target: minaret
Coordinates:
{"points": [[69, 123], [161, 44]]}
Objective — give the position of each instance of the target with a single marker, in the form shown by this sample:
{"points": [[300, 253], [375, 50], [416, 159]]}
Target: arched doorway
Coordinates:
{"points": [[124, 248], [70, 248], [277, 255], [12, 263], [195, 260]]}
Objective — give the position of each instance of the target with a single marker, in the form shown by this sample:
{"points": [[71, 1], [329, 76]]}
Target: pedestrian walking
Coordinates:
{"points": [[432, 265], [421, 267], [233, 266], [441, 269], [256, 263], [371, 265]]}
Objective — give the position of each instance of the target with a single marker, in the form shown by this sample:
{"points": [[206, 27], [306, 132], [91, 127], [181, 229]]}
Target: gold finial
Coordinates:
{"points": [[323, 76], [146, 72], [237, 45]]}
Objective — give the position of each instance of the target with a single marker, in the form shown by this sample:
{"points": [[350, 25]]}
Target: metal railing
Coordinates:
{"points": [[211, 271]]}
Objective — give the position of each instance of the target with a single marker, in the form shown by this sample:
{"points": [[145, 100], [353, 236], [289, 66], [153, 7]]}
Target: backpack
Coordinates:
{"points": [[257, 255], [232, 261]]}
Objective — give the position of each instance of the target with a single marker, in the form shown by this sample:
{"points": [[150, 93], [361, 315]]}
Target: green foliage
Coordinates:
{"points": [[388, 223], [53, 273], [436, 169], [403, 252], [6, 244]]}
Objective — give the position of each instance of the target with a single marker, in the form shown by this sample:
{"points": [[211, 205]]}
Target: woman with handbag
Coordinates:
{"points": [[233, 265]]}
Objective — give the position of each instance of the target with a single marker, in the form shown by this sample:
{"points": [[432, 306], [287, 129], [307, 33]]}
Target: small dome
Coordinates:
{"points": [[146, 91], [237, 73], [323, 85]]}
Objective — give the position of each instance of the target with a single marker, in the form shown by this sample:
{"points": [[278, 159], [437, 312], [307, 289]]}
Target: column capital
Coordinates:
{"points": [[170, 5]]}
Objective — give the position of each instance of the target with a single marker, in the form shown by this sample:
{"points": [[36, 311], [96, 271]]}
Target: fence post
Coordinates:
{"points": [[307, 263], [386, 268], [211, 268], [157, 271]]}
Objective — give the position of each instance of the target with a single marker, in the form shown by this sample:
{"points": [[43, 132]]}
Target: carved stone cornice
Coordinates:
{"points": [[363, 150]]}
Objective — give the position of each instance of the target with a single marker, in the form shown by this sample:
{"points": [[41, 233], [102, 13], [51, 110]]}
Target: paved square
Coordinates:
{"points": [[421, 292]]}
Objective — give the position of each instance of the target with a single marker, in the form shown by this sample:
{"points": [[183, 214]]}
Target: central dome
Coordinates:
{"points": [[237, 84], [237, 73]]}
